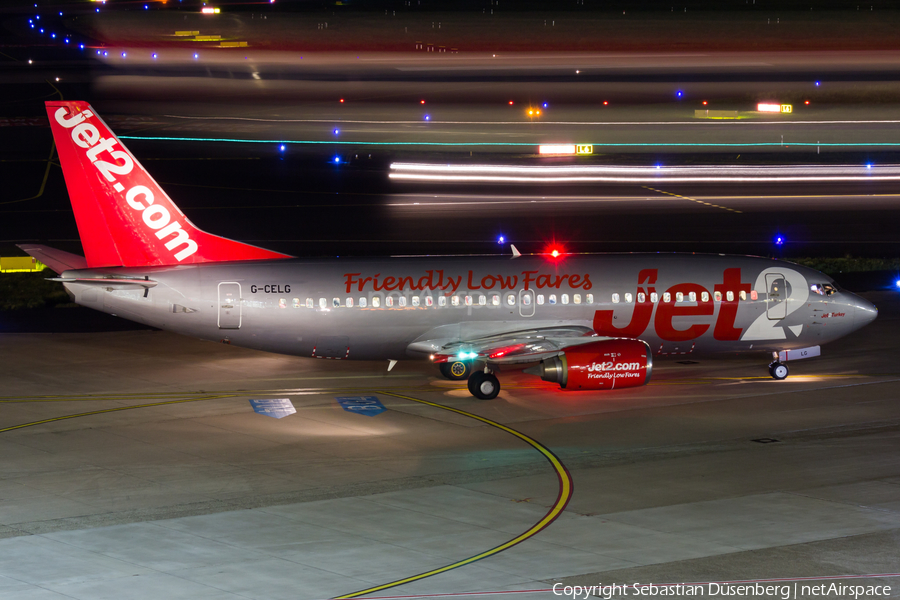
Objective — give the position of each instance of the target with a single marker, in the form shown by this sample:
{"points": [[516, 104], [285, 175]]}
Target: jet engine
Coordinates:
{"points": [[602, 365]]}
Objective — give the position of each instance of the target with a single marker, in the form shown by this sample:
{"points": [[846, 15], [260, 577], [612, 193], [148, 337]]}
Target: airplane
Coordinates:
{"points": [[586, 322]]}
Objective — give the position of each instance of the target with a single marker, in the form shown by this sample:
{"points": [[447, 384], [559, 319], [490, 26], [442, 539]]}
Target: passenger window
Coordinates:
{"points": [[642, 297], [742, 295], [511, 299], [468, 300], [540, 298], [336, 302], [309, 303], [717, 296], [552, 298], [389, 301], [654, 297], [454, 301], [754, 295], [729, 296], [667, 297], [576, 298], [629, 297], [482, 300], [526, 300], [282, 303], [495, 300], [692, 296], [589, 299], [323, 303], [442, 300], [615, 298], [679, 297], [349, 302], [362, 302], [415, 301], [402, 300], [429, 300], [376, 302], [296, 303], [565, 298], [704, 296]]}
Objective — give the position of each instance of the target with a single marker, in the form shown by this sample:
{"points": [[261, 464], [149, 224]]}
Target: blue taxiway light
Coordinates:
{"points": [[154, 55], [337, 159], [679, 93], [897, 283], [869, 166], [817, 83], [337, 131], [281, 147], [501, 239], [779, 240], [196, 55], [427, 117]]}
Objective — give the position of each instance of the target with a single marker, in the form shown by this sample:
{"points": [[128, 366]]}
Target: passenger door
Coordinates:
{"points": [[776, 287], [229, 305]]}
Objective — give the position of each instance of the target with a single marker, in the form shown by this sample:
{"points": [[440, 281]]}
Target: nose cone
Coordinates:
{"points": [[864, 312]]}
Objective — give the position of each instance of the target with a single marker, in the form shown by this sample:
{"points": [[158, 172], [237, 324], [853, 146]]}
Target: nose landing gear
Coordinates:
{"points": [[777, 369]]}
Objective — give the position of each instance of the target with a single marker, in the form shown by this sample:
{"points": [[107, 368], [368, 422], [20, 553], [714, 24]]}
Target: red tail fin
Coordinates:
{"points": [[123, 216]]}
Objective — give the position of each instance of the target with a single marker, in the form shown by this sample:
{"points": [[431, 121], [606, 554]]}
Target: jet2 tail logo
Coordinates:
{"points": [[156, 217]]}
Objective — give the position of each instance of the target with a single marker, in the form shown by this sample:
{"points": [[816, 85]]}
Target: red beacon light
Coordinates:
{"points": [[342, 100]]}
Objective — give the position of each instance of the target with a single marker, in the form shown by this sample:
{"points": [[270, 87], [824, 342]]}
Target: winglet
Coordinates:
{"points": [[515, 251]]}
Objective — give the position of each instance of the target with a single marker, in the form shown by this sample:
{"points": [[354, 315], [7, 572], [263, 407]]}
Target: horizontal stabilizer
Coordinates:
{"points": [[116, 283], [57, 260]]}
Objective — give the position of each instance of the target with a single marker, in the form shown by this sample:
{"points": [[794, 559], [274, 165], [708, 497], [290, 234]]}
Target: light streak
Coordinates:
{"points": [[627, 174]]}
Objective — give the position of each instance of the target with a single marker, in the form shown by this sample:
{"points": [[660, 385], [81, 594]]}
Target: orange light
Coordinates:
{"points": [[539, 112], [530, 112]]}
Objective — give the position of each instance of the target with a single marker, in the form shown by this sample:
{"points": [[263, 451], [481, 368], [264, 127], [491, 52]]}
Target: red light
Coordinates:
{"points": [[605, 103], [555, 253], [342, 99], [510, 102], [704, 103], [807, 102], [421, 102]]}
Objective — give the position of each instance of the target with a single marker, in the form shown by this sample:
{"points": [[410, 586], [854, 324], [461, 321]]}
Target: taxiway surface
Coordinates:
{"points": [[133, 464]]}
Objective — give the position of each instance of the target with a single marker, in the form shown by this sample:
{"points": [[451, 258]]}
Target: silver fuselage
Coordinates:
{"points": [[393, 308]]}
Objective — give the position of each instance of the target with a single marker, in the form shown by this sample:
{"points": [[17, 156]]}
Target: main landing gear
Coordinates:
{"points": [[456, 370], [484, 386]]}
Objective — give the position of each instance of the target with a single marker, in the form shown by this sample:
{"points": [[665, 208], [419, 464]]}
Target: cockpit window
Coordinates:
{"points": [[824, 289]]}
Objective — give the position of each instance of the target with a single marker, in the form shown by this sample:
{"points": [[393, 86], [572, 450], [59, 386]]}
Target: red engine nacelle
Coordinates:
{"points": [[602, 365]]}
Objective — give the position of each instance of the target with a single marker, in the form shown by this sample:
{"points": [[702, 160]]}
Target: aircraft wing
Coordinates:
{"points": [[514, 347]]}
